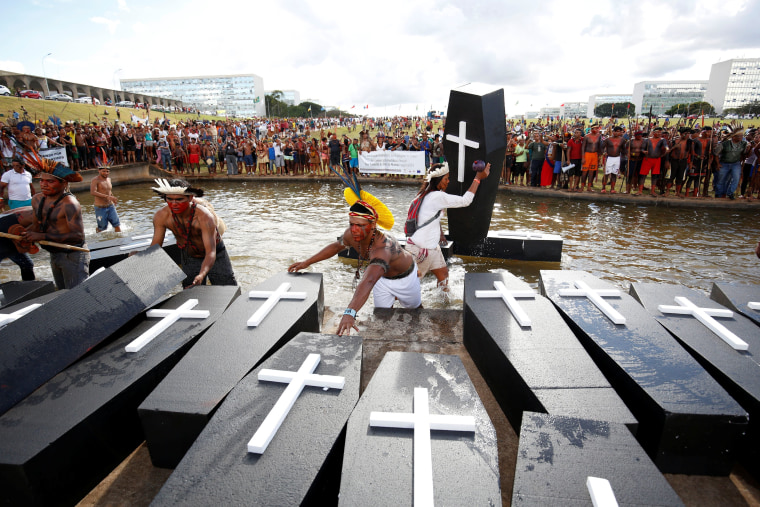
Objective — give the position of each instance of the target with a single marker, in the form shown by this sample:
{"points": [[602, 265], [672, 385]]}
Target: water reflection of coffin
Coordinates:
{"points": [[108, 252], [350, 253], [557, 455], [17, 292], [688, 423], [301, 458], [523, 246], [71, 432]]}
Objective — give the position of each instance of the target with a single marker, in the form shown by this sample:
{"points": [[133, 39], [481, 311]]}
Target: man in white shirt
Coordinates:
{"points": [[19, 183]]}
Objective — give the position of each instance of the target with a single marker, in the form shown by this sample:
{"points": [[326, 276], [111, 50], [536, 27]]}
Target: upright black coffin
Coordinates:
{"points": [[34, 350], [688, 423], [737, 298], [176, 412], [475, 114], [301, 465], [378, 464], [556, 456], [737, 371], [17, 292], [64, 438], [539, 368]]}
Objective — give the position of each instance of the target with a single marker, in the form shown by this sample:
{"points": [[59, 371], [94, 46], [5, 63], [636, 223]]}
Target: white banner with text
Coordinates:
{"points": [[392, 162], [57, 154]]}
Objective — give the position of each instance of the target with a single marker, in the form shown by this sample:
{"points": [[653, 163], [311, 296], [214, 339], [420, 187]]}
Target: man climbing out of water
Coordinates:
{"points": [[196, 229], [58, 218], [391, 272]]}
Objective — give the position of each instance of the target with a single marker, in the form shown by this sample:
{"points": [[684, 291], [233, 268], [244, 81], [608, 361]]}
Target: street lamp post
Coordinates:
{"points": [[47, 88]]}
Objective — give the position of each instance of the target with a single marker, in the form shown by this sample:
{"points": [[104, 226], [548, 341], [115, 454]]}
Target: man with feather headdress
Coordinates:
{"points": [[390, 273], [58, 218], [198, 232]]}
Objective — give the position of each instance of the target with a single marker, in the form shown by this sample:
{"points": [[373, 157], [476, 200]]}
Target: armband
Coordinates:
{"points": [[351, 312], [381, 263]]}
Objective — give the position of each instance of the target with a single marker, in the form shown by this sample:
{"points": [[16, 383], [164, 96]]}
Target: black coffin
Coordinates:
{"points": [[556, 456], [538, 368], [69, 434], [737, 298], [109, 255], [176, 412], [34, 350], [378, 463], [503, 245], [481, 108], [737, 371], [301, 465], [688, 423], [17, 292]]}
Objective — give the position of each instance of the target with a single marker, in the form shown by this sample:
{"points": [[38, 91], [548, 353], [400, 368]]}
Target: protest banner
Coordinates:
{"points": [[392, 162], [57, 154]]}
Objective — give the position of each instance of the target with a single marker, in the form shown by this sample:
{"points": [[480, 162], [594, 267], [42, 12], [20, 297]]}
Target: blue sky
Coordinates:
{"points": [[395, 55]]}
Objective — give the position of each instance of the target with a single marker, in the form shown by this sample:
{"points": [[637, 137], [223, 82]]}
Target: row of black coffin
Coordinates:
{"points": [[62, 438]]}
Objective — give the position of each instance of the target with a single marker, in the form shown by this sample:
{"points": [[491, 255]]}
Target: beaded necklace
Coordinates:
{"points": [[360, 264]]}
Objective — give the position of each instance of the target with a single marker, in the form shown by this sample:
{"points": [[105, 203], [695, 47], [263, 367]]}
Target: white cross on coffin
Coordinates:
{"points": [[422, 422], [754, 305], [462, 140], [519, 234], [601, 492], [705, 316], [509, 297], [596, 295], [7, 318], [169, 317], [296, 382], [273, 297], [146, 242]]}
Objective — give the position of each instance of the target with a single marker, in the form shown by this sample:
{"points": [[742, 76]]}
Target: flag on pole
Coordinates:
{"points": [[309, 108], [352, 107]]}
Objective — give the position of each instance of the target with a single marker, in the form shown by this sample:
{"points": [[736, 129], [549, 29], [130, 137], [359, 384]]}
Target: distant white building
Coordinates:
{"points": [[607, 98], [733, 83], [662, 95], [546, 112], [290, 97], [240, 95], [570, 110]]}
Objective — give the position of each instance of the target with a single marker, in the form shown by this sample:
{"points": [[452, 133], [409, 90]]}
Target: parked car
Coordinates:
{"points": [[87, 100], [61, 97], [30, 94], [125, 103], [4, 90]]}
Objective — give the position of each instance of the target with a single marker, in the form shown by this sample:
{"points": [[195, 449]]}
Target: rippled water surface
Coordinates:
{"points": [[273, 224]]}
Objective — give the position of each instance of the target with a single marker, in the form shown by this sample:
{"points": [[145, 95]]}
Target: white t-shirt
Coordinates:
{"points": [[18, 185], [430, 235]]}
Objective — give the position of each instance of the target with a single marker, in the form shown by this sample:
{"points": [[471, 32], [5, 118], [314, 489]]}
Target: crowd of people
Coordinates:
{"points": [[686, 158]]}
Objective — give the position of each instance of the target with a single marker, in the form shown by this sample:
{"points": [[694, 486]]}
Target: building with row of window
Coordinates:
{"points": [[240, 95], [734, 83], [659, 96], [606, 98]]}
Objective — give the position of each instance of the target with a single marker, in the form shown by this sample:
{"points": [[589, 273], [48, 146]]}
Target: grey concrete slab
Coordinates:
{"points": [[176, 412], [557, 454], [378, 463], [689, 424], [34, 350], [542, 367], [71, 432], [301, 465]]}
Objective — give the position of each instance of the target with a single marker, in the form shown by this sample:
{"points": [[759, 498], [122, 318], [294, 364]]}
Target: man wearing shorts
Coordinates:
{"points": [[390, 274], [613, 148], [575, 156], [590, 156], [654, 149], [105, 211], [194, 155]]}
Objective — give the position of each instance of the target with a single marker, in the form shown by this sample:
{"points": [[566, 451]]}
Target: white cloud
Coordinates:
{"points": [[12, 66], [112, 24], [123, 5]]}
